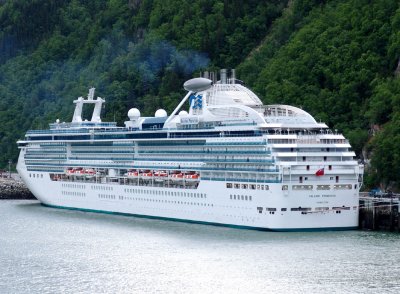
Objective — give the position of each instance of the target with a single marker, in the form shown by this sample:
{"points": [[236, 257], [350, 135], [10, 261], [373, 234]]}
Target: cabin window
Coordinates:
{"points": [[308, 167], [304, 158], [330, 167], [337, 179], [300, 179], [324, 158]]}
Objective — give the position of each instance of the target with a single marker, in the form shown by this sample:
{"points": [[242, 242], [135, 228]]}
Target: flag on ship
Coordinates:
{"points": [[320, 172]]}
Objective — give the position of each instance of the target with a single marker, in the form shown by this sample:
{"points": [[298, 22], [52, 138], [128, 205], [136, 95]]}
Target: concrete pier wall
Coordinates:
{"points": [[379, 214]]}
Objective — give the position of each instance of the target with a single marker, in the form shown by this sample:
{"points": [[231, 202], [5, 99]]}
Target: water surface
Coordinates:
{"points": [[47, 250]]}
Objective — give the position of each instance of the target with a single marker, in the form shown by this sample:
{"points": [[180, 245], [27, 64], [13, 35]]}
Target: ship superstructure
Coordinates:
{"points": [[221, 157]]}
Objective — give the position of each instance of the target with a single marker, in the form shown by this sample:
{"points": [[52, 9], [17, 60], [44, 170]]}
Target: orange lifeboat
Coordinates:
{"points": [[78, 171], [177, 176], [192, 176], [161, 173], [70, 171], [132, 173], [146, 174], [90, 171]]}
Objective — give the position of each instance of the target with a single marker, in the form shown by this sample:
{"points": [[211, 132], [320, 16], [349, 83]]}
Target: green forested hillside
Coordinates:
{"points": [[335, 59]]}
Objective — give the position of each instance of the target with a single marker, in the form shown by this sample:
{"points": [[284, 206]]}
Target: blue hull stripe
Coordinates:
{"points": [[205, 223]]}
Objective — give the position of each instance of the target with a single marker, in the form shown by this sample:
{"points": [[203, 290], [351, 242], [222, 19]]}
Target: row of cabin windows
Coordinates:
{"points": [[166, 193], [36, 176], [241, 197], [247, 186], [106, 196], [306, 178], [325, 159], [73, 186], [322, 149], [272, 210], [71, 193], [105, 188], [329, 167], [320, 187], [163, 201]]}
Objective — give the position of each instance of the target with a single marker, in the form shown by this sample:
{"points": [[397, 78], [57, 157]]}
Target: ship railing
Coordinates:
{"points": [[234, 143], [177, 167], [223, 160], [271, 161], [100, 152], [202, 152], [197, 135], [240, 180], [52, 132], [88, 124]]}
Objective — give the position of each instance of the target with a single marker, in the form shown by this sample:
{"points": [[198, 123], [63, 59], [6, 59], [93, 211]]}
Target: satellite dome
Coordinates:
{"points": [[133, 113], [161, 113], [197, 84], [183, 113]]}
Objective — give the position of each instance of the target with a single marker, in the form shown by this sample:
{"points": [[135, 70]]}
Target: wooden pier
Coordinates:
{"points": [[379, 214]]}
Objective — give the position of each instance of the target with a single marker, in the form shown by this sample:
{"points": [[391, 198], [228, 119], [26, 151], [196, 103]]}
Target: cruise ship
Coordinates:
{"points": [[221, 158]]}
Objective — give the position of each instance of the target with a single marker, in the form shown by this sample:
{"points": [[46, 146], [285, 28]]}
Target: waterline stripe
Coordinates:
{"points": [[205, 223]]}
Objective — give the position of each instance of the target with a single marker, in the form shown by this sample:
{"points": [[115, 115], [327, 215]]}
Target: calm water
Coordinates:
{"points": [[45, 250]]}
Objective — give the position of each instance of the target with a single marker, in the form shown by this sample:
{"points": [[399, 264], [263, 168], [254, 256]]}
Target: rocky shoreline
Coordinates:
{"points": [[13, 188]]}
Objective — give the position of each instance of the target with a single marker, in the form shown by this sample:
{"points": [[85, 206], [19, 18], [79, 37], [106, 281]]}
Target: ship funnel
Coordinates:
{"points": [[223, 76]]}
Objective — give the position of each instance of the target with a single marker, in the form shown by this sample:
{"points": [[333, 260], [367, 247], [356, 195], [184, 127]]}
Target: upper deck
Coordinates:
{"points": [[224, 108]]}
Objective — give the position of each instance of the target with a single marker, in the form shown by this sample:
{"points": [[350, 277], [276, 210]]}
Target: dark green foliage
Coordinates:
{"points": [[136, 53], [337, 62], [335, 59]]}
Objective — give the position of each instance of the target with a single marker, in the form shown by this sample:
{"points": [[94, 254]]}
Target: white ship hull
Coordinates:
{"points": [[216, 207], [229, 160]]}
